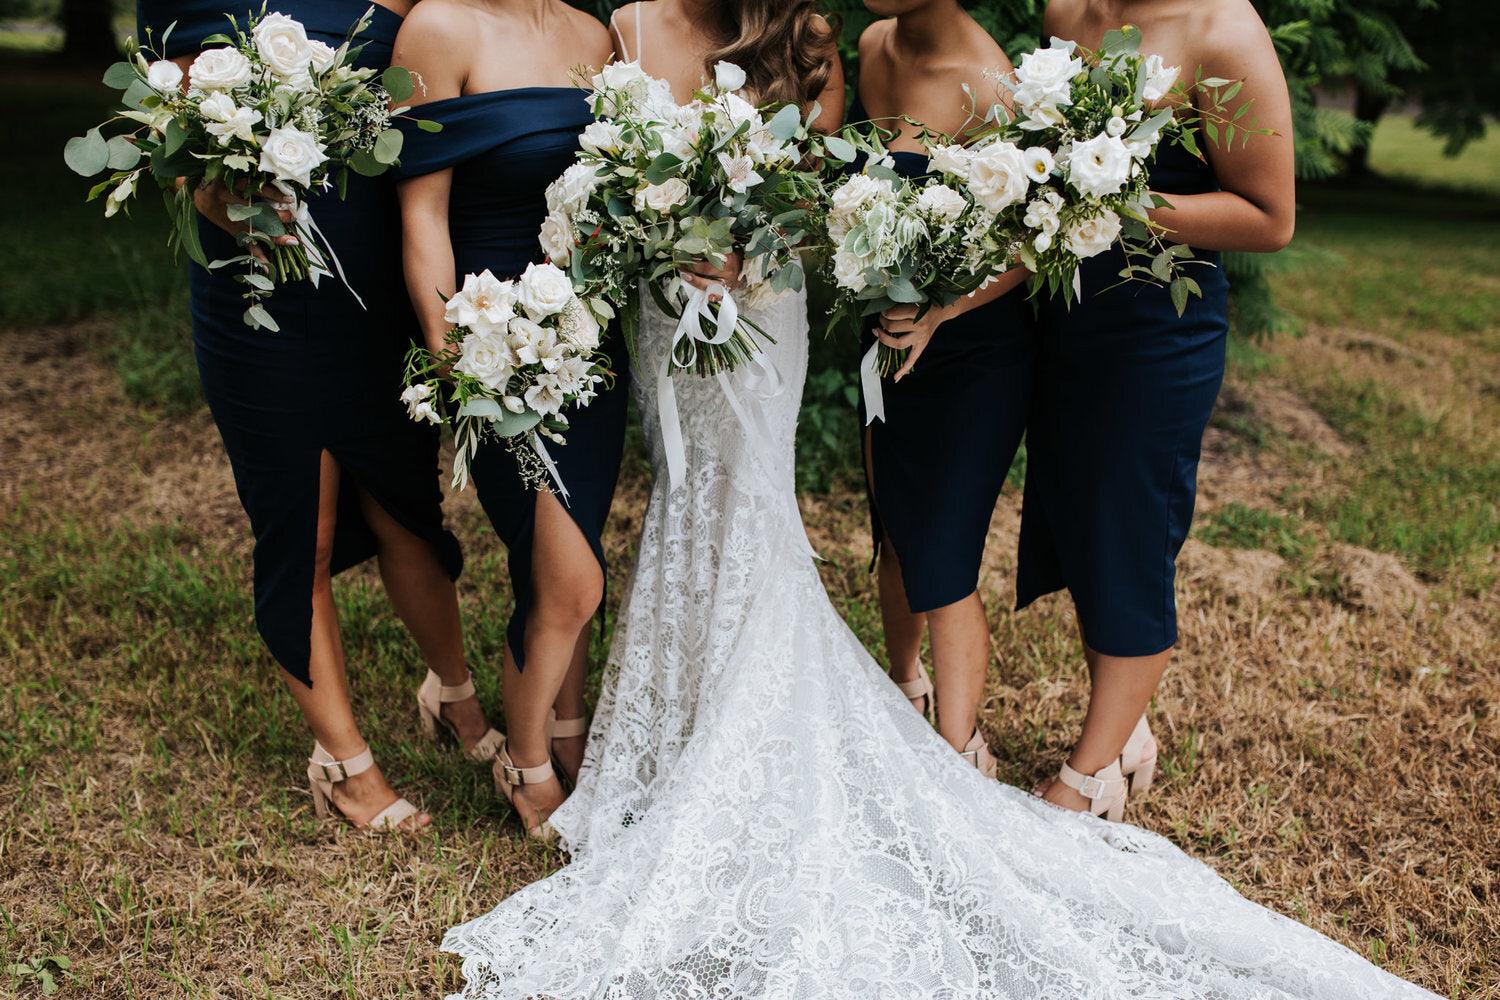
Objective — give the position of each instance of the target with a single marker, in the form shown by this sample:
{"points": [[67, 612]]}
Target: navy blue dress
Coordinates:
{"points": [[328, 381], [951, 430], [504, 148], [1124, 389]]}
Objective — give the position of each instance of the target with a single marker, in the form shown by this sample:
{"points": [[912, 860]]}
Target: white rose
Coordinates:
{"points": [[942, 201], [487, 357], [290, 154], [240, 124], [952, 160], [740, 110], [728, 76], [219, 69], [1045, 76], [283, 46], [164, 75], [570, 192], [578, 327], [739, 172], [678, 141], [620, 76], [323, 55], [1087, 237], [543, 290], [556, 238], [856, 192], [601, 137], [998, 176], [1039, 163], [849, 270], [484, 304], [662, 197], [1099, 166], [1159, 78]]}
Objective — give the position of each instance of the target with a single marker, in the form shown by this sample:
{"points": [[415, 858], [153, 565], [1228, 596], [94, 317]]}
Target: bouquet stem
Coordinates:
{"points": [[888, 360]]}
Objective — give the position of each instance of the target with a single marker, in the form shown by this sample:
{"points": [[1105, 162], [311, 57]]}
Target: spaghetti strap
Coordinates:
{"points": [[625, 49], [640, 39]]}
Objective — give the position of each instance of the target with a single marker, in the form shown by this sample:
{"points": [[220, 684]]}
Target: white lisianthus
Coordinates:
{"points": [[164, 75], [487, 357], [323, 55], [1159, 78], [1115, 126], [570, 192], [219, 69], [952, 160], [227, 121], [290, 154], [662, 197], [543, 290], [678, 141], [556, 238], [1045, 76], [1100, 166], [1092, 235], [998, 176], [484, 304], [728, 76], [601, 137], [578, 327], [545, 396], [1040, 118], [283, 45], [739, 172], [942, 202], [1039, 163], [530, 340]]}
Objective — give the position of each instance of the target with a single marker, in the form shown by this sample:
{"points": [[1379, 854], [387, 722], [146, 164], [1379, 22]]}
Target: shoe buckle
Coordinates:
{"points": [[1091, 787], [334, 772], [513, 775]]}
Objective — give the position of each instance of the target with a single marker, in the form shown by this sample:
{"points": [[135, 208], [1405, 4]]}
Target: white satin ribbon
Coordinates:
{"points": [[869, 384], [551, 466], [1078, 284], [318, 246]]}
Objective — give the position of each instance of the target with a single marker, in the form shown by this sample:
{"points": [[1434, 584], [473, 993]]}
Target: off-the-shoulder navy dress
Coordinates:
{"points": [[328, 381], [1124, 390], [504, 148], [951, 430]]}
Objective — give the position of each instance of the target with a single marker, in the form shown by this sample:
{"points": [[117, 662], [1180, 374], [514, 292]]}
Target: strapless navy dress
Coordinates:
{"points": [[951, 430], [328, 381], [504, 148], [1124, 390]]}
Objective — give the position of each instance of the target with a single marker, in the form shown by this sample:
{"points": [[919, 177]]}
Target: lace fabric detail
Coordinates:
{"points": [[761, 813]]}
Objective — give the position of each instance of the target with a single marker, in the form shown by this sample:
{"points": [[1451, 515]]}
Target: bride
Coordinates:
{"points": [[762, 814]]}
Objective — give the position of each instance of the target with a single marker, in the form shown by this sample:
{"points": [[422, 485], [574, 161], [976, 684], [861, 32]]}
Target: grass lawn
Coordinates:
{"points": [[1329, 726]]}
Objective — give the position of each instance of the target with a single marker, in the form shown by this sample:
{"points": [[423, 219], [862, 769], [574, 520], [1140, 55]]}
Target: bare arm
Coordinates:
{"points": [[1256, 208]]}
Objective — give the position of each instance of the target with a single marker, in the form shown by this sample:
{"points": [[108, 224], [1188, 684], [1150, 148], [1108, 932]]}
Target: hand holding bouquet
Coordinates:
{"points": [[519, 354], [268, 113]]}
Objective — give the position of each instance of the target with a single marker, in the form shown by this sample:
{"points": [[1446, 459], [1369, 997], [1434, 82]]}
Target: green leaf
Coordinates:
{"points": [[135, 95], [902, 290], [398, 83], [175, 137], [784, 123], [502, 421], [87, 154], [239, 213], [388, 146], [364, 163], [1161, 266], [427, 125], [187, 232], [120, 76], [258, 280], [258, 318], [840, 149], [123, 154], [1180, 295], [663, 167]]}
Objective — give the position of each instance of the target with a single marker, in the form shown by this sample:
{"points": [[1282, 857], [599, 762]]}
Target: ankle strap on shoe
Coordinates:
{"points": [[458, 692], [1091, 786], [918, 687], [523, 775], [563, 729], [321, 764]]}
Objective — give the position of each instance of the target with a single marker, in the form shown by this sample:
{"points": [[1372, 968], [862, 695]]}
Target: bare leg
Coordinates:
{"points": [[427, 602], [1121, 692], [326, 705], [569, 587], [903, 627], [960, 660], [570, 705]]}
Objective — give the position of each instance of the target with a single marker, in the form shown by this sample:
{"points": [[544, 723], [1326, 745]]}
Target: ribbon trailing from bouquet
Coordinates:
{"points": [[318, 246], [869, 384], [551, 466], [490, 411]]}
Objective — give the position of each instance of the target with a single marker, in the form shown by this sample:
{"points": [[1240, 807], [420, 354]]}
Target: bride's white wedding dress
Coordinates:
{"points": [[763, 815]]}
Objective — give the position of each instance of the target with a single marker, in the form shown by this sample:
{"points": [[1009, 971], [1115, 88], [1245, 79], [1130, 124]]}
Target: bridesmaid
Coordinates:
{"points": [[955, 412], [498, 75], [1125, 387], [328, 467]]}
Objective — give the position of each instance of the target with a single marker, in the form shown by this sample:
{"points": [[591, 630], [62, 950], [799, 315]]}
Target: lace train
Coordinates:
{"points": [[763, 815]]}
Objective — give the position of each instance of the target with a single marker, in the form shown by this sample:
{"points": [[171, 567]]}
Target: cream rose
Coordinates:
{"points": [[283, 45], [1045, 76], [1093, 235], [1099, 166], [941, 201], [601, 137], [662, 197], [849, 270], [290, 154], [570, 192], [164, 75], [219, 69], [487, 357], [728, 76], [543, 290], [997, 176], [484, 304], [556, 238]]}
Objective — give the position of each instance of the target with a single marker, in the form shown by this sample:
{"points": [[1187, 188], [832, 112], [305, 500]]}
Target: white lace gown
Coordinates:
{"points": [[763, 815]]}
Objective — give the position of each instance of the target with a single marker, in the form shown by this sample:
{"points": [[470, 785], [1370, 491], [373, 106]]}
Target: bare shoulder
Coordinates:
{"points": [[594, 41], [437, 24], [872, 44], [436, 40], [1228, 30], [1061, 17]]}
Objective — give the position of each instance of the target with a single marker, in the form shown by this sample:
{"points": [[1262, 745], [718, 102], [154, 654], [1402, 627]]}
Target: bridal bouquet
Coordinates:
{"points": [[519, 354], [658, 186], [270, 114], [1067, 172]]}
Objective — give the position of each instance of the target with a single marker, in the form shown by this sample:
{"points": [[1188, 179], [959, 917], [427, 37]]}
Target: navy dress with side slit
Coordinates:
{"points": [[329, 380], [1124, 390], [504, 148], [952, 427]]}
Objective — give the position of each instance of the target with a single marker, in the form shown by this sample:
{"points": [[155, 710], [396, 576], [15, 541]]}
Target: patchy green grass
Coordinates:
{"points": [[1403, 152], [1237, 526]]}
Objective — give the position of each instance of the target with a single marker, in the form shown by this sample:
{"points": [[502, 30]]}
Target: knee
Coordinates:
{"points": [[569, 601], [323, 550]]}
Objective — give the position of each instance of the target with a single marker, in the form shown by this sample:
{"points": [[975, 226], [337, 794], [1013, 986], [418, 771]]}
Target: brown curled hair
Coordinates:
{"points": [[785, 48]]}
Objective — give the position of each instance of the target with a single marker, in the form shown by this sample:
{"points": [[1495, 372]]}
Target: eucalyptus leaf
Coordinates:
{"points": [[388, 146], [784, 124], [398, 83], [239, 213], [501, 421], [427, 125], [840, 149], [123, 154], [257, 316], [87, 154], [120, 76]]}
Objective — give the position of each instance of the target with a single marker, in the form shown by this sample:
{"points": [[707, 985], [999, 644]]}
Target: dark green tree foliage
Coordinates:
{"points": [[1457, 87]]}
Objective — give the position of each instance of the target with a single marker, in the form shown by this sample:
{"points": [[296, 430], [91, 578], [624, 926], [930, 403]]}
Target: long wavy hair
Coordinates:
{"points": [[783, 46]]}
